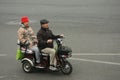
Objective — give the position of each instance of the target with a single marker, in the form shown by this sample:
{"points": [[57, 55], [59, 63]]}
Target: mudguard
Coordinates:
{"points": [[26, 59]]}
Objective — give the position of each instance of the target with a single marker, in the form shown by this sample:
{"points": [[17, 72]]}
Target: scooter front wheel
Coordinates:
{"points": [[67, 68]]}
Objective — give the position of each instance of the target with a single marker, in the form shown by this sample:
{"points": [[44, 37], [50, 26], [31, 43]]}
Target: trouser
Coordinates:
{"points": [[51, 52], [37, 53]]}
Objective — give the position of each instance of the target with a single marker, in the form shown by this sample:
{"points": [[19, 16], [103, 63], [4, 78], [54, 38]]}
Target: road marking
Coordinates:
{"points": [[96, 54], [1, 55], [95, 61], [1, 77]]}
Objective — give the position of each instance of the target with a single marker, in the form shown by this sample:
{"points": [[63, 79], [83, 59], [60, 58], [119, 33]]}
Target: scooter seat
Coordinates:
{"points": [[44, 54]]}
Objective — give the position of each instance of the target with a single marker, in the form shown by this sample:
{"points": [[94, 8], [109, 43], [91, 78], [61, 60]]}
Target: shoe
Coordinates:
{"points": [[39, 65], [53, 68]]}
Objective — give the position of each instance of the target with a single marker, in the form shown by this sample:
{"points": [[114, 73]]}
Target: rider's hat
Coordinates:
{"points": [[44, 21], [24, 19]]}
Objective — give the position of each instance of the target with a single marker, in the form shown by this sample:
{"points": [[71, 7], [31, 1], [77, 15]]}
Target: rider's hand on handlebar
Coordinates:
{"points": [[62, 35], [49, 41]]}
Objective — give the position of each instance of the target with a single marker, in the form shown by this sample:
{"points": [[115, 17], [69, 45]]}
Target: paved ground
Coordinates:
{"points": [[91, 28]]}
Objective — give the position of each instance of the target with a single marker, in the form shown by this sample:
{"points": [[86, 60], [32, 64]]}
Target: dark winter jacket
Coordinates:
{"points": [[43, 35]]}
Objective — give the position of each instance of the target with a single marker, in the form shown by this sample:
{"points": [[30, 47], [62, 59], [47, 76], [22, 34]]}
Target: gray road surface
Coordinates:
{"points": [[91, 27]]}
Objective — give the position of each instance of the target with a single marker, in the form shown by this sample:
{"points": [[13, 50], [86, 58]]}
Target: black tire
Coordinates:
{"points": [[27, 67], [67, 68]]}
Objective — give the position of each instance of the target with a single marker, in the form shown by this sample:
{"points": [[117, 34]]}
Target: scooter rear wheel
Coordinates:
{"points": [[27, 67]]}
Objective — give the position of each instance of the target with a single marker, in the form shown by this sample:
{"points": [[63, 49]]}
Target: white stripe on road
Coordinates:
{"points": [[1, 77], [1, 55], [87, 54], [95, 61], [96, 54]]}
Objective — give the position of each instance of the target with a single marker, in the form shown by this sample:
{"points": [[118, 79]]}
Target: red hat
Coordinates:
{"points": [[24, 19]]}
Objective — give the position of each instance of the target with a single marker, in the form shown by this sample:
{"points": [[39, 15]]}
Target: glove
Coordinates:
{"points": [[27, 43]]}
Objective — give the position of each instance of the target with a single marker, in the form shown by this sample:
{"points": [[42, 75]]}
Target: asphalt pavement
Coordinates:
{"points": [[91, 29]]}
